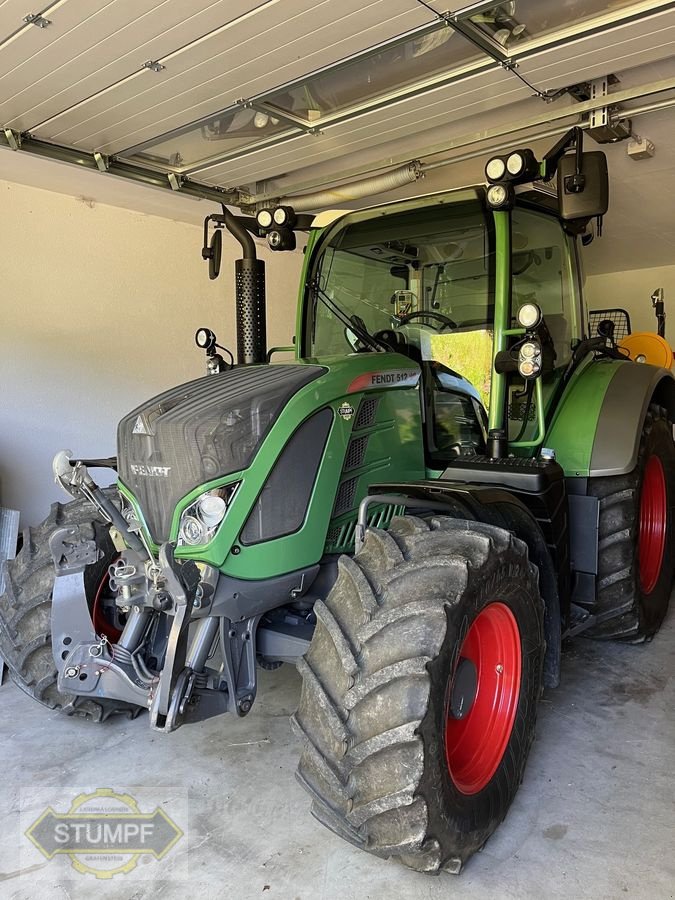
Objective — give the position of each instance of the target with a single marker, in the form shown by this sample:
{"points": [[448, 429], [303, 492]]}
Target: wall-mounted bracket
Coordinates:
{"points": [[102, 162], [13, 139], [37, 19], [153, 65], [175, 181]]}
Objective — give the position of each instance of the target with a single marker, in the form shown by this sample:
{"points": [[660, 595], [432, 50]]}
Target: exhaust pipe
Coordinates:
{"points": [[249, 288]]}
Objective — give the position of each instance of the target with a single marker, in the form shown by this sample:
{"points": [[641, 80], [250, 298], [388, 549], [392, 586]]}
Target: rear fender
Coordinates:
{"points": [[597, 426]]}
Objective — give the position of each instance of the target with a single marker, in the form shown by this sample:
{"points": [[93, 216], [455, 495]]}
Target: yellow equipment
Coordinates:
{"points": [[647, 347]]}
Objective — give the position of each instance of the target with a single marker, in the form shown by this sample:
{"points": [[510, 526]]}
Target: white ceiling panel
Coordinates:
{"points": [[101, 49], [13, 12], [442, 106], [374, 68], [32, 40], [624, 47], [451, 6], [253, 54]]}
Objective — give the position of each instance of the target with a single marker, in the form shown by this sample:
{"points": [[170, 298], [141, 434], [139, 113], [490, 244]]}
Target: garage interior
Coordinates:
{"points": [[123, 127]]}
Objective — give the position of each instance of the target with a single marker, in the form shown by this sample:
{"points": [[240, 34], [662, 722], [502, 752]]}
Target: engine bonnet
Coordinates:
{"points": [[200, 431]]}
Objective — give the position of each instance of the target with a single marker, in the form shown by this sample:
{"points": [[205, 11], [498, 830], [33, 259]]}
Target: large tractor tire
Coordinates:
{"points": [[636, 555], [25, 611], [420, 688]]}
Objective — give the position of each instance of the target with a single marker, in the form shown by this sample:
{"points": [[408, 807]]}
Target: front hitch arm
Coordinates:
{"points": [[181, 584], [73, 476]]}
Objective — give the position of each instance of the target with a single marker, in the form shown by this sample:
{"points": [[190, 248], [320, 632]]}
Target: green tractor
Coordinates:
{"points": [[451, 477]]}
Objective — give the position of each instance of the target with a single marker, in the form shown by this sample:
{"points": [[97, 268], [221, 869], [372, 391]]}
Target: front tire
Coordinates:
{"points": [[420, 688], [26, 605]]}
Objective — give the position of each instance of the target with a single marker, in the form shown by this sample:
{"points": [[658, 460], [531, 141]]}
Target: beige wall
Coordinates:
{"points": [[631, 290], [98, 312]]}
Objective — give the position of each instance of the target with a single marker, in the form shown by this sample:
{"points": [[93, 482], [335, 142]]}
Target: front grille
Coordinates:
{"points": [[200, 431], [340, 538]]}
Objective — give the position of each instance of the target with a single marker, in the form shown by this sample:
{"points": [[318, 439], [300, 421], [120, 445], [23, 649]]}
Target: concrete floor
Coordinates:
{"points": [[594, 818]]}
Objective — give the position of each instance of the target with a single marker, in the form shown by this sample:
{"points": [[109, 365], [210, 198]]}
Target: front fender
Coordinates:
{"points": [[597, 426]]}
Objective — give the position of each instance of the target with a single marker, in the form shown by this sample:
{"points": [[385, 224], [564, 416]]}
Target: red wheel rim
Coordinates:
{"points": [[99, 621], [653, 524], [475, 744]]}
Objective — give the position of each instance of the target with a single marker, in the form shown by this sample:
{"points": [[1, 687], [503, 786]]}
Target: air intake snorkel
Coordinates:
{"points": [[249, 287]]}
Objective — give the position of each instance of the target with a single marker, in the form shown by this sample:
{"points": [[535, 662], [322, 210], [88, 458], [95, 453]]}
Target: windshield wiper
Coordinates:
{"points": [[354, 323]]}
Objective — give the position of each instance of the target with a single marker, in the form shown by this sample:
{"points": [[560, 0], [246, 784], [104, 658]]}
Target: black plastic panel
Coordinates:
{"points": [[539, 485], [282, 504]]}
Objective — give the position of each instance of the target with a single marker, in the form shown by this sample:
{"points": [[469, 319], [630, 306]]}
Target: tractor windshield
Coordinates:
{"points": [[436, 259], [426, 276]]}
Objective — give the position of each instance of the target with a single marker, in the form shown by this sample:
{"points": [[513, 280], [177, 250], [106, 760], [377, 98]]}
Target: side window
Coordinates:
{"points": [[542, 273]]}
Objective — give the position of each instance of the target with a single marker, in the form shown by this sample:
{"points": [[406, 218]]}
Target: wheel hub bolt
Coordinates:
{"points": [[72, 672]]}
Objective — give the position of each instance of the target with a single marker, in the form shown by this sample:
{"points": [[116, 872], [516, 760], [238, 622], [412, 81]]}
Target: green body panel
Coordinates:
{"points": [[395, 451], [502, 221], [312, 238], [572, 430]]}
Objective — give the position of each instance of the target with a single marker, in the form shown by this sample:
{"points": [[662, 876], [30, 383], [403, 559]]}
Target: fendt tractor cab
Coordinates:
{"points": [[449, 478]]}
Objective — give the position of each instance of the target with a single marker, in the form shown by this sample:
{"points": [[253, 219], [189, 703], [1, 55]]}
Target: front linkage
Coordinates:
{"points": [[159, 662]]}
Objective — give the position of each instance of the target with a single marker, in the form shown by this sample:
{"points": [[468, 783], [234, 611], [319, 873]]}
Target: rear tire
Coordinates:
{"points": [[636, 557], [387, 763], [26, 605]]}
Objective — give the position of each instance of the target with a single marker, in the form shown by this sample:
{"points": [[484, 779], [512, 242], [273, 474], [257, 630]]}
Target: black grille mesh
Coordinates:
{"points": [[366, 414], [200, 431], [345, 496], [618, 320], [251, 328], [282, 504], [356, 452]]}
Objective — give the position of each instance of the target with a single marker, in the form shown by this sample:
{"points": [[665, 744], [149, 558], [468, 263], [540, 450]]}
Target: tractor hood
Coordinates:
{"points": [[200, 431]]}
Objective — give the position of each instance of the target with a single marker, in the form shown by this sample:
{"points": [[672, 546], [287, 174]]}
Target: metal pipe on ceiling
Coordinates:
{"points": [[355, 190], [395, 178], [480, 137]]}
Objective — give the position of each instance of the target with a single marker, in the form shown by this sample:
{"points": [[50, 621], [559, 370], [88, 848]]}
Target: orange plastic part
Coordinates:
{"points": [[647, 347]]}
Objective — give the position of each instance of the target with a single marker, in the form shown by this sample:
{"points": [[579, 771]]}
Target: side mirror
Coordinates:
{"points": [[215, 254], [583, 195]]}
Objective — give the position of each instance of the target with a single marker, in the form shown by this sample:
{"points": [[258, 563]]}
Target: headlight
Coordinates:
{"points": [[495, 169], [281, 215], [515, 164], [529, 359], [529, 315], [497, 195], [200, 521], [264, 218]]}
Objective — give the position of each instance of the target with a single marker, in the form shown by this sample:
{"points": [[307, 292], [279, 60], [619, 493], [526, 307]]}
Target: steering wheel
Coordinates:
{"points": [[444, 321]]}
